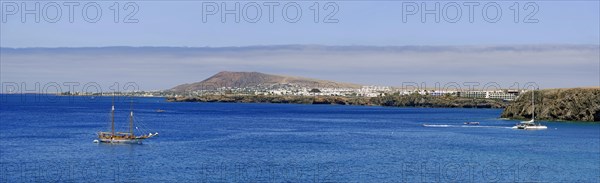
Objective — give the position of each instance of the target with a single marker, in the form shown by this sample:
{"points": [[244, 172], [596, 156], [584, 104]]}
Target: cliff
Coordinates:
{"points": [[416, 100], [576, 104]]}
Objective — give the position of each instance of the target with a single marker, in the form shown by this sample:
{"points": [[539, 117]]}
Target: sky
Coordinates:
{"points": [[565, 35], [376, 23]]}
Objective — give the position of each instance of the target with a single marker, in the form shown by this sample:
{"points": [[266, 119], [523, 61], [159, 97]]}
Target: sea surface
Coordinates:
{"points": [[45, 138]]}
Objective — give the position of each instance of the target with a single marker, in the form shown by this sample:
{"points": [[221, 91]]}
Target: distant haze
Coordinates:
{"points": [[153, 68]]}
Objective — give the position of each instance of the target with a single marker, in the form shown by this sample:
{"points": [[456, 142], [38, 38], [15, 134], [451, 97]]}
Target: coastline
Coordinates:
{"points": [[557, 105], [390, 101]]}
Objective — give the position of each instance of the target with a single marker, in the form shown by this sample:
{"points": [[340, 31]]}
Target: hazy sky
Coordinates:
{"points": [[550, 66], [553, 43]]}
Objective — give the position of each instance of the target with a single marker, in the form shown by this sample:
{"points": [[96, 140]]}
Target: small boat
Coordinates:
{"points": [[471, 123], [531, 124], [122, 137], [160, 110]]}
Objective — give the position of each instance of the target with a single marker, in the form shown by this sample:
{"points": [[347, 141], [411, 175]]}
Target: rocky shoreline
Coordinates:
{"points": [[393, 101], [574, 104]]}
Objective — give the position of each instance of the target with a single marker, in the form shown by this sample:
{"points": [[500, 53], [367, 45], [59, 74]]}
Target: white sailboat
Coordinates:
{"points": [[531, 124]]}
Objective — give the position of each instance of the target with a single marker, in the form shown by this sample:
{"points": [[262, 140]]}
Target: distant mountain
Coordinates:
{"points": [[256, 79]]}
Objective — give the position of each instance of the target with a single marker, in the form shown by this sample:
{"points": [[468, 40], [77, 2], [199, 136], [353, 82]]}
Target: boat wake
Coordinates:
{"points": [[462, 126]]}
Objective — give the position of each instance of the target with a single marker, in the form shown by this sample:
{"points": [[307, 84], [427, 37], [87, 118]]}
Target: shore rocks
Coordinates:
{"points": [[393, 101], [575, 104]]}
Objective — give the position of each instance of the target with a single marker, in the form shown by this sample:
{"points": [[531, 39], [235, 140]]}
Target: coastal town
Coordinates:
{"points": [[290, 90], [364, 91]]}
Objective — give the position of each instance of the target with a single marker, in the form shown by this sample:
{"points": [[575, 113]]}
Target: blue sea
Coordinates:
{"points": [[46, 138]]}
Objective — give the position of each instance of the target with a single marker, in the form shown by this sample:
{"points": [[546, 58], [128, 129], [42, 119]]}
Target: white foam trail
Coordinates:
{"points": [[463, 126], [425, 125]]}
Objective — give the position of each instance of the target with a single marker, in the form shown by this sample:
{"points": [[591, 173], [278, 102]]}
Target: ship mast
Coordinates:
{"points": [[131, 118], [112, 116], [533, 104]]}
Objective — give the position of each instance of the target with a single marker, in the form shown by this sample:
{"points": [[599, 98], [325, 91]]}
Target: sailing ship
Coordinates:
{"points": [[531, 124], [122, 137]]}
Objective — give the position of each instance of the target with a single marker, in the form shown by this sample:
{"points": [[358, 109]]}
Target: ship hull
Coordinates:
{"points": [[524, 127], [536, 128], [121, 141]]}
